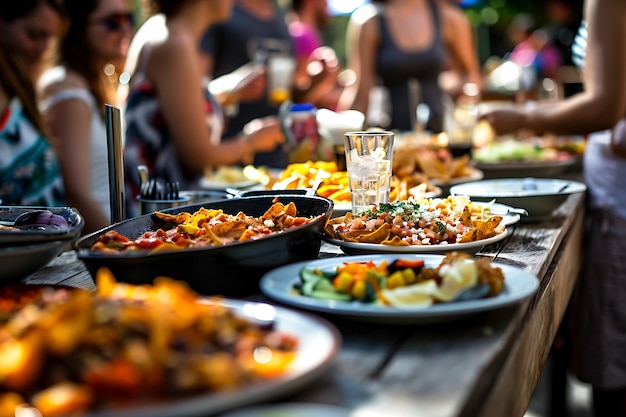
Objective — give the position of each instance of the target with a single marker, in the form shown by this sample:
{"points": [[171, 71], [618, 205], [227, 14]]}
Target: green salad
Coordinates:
{"points": [[513, 150]]}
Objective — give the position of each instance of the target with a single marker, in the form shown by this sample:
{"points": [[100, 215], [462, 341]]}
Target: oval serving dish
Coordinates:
{"points": [[233, 269]]}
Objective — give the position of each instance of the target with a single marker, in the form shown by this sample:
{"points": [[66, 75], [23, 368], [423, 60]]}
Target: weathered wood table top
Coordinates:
{"points": [[483, 365]]}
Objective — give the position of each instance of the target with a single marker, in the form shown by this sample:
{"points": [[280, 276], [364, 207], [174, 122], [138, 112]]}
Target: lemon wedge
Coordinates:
{"points": [[411, 296], [455, 278]]}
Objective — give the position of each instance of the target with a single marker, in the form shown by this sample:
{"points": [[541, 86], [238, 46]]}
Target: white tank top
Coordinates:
{"points": [[99, 175]]}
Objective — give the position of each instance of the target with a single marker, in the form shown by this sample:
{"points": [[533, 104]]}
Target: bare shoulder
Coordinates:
{"points": [[364, 15], [454, 22], [173, 54], [452, 15], [58, 79]]}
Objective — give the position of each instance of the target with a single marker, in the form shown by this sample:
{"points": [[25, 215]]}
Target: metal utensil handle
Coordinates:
{"points": [[116, 162]]}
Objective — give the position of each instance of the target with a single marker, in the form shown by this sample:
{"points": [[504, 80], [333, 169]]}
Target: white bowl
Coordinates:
{"points": [[538, 196]]}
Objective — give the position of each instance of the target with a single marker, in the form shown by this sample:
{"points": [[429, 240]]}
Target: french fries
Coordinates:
{"points": [[335, 185]]}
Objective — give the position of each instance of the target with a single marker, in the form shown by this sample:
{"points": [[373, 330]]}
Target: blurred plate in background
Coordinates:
{"points": [[520, 169]]}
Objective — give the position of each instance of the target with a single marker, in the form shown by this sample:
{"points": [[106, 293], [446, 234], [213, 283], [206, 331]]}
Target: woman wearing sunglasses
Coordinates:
{"points": [[173, 122], [74, 93]]}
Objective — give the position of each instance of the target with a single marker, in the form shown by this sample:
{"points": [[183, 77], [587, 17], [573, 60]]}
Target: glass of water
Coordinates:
{"points": [[368, 160]]}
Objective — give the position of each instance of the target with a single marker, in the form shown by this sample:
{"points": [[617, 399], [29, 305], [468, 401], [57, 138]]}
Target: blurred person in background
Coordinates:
{"points": [[317, 63], [74, 93], [533, 48], [455, 74], [29, 27], [30, 173], [256, 29], [173, 122], [398, 43], [598, 310]]}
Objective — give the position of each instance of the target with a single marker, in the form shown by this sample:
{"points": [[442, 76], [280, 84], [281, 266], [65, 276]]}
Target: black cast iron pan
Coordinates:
{"points": [[230, 270]]}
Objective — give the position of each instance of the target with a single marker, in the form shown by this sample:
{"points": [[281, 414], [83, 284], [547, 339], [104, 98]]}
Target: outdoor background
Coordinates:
{"points": [[490, 19]]}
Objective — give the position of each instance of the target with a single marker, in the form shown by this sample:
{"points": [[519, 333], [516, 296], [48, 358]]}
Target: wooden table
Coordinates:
{"points": [[485, 365]]}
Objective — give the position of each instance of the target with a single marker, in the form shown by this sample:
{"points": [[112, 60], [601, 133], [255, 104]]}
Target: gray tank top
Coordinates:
{"points": [[396, 68]]}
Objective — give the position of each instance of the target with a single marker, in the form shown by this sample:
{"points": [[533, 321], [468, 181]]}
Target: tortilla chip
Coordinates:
{"points": [[458, 166], [479, 226], [274, 212], [176, 218], [225, 228], [466, 217], [365, 236], [329, 229], [491, 227], [395, 241], [433, 167], [469, 236]]}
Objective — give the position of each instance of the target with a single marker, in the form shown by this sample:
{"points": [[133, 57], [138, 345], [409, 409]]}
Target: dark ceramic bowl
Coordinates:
{"points": [[14, 237], [231, 270]]}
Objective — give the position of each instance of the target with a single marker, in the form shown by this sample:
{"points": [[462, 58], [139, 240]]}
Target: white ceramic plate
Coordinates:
{"points": [[278, 285], [318, 342], [515, 169], [356, 248]]}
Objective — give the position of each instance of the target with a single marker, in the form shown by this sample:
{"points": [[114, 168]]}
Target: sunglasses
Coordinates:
{"points": [[116, 22]]}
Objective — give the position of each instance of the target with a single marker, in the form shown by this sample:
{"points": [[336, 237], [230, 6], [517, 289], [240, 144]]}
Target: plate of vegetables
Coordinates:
{"points": [[399, 288]]}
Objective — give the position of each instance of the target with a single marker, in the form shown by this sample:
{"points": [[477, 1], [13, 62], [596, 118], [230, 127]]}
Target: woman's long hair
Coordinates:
{"points": [[76, 54], [17, 82], [167, 7], [15, 9]]}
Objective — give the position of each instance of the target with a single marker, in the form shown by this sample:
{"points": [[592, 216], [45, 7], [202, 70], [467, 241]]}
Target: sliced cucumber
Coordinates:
{"points": [[325, 285], [331, 295]]}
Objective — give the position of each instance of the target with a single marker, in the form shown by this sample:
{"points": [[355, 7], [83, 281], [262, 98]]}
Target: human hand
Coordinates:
{"points": [[320, 85], [264, 133], [505, 121], [251, 86]]}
